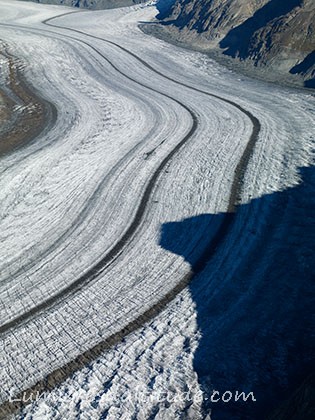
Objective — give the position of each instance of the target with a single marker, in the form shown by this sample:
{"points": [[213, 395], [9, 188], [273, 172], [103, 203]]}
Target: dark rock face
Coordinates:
{"points": [[265, 32]]}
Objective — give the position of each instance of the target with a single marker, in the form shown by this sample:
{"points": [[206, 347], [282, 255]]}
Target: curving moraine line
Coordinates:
{"points": [[114, 253], [60, 374]]}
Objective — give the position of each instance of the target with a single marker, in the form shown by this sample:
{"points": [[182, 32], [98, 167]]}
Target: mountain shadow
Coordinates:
{"points": [[238, 40], [310, 83], [164, 8], [306, 66], [253, 285]]}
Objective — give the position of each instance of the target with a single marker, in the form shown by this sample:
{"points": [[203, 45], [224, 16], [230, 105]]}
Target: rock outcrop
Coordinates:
{"points": [[274, 33]]}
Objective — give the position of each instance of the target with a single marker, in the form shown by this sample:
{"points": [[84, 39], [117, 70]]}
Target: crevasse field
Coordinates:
{"points": [[119, 236]]}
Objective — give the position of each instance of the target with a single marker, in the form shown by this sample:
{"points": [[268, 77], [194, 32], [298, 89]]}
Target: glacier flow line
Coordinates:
{"points": [[60, 374], [242, 165], [114, 253], [118, 248]]}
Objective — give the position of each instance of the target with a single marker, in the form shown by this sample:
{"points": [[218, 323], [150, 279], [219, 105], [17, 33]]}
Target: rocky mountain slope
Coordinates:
{"points": [[274, 33]]}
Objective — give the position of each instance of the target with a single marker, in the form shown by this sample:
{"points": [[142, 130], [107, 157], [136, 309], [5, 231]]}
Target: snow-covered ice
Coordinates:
{"points": [[68, 196]]}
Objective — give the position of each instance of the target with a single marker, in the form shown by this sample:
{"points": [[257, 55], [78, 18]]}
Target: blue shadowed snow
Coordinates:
{"points": [[254, 306]]}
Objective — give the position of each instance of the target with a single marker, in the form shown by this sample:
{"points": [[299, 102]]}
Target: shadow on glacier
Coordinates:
{"points": [[253, 304]]}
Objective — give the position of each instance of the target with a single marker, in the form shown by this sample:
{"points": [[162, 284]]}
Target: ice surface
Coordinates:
{"points": [[68, 197]]}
